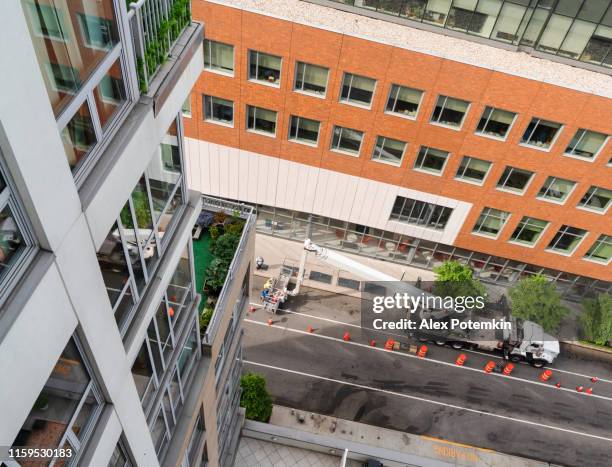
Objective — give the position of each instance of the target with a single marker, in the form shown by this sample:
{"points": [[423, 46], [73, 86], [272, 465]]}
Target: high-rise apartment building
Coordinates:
{"points": [[103, 359], [416, 131]]}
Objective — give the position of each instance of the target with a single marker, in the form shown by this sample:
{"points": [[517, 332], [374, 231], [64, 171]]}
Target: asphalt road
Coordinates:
{"points": [[518, 415]]}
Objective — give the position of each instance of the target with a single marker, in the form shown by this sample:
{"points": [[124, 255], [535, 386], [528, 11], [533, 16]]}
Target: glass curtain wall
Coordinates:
{"points": [[575, 29], [83, 65], [131, 251]]}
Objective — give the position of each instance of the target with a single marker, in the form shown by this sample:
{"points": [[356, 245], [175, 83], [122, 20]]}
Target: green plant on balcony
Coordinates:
{"points": [[205, 317]]}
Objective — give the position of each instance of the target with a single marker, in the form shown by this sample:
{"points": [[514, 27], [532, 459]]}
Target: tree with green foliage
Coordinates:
{"points": [[536, 299], [205, 318], [454, 279], [255, 397], [597, 319]]}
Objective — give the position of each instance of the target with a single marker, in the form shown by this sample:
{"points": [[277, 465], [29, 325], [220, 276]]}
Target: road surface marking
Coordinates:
{"points": [[432, 360], [601, 380], [422, 399]]}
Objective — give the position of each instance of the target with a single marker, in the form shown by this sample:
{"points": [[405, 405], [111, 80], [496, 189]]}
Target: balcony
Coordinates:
{"points": [[156, 26], [221, 238]]}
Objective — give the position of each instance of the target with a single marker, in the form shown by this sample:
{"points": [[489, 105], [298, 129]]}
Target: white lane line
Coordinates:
{"points": [[422, 399], [601, 380], [431, 360]]}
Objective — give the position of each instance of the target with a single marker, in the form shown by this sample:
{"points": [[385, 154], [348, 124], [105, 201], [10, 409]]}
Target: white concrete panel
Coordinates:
{"points": [[331, 194], [214, 167], [243, 175], [234, 173], [224, 172], [107, 442], [282, 180], [30, 350]]}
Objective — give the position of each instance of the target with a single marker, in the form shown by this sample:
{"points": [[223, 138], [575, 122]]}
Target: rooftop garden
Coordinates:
{"points": [[216, 238]]}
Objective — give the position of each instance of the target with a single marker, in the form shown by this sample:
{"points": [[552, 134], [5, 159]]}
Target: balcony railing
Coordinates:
{"points": [[246, 212], [155, 25]]}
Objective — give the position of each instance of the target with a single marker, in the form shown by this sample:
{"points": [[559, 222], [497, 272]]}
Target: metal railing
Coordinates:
{"points": [[155, 25], [245, 212]]}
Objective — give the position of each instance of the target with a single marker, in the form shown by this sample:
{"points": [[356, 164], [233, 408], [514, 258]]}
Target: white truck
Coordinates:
{"points": [[524, 341]]}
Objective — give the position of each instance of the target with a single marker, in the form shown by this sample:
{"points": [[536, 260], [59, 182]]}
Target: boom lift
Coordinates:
{"points": [[526, 341]]}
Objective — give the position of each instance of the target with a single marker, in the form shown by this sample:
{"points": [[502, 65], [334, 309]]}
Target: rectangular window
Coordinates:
{"points": [[15, 243], [601, 250], [219, 57], [596, 198], [404, 101], [388, 150], [265, 68], [566, 239], [110, 94], [412, 211], [120, 457], [186, 109], [218, 110], [346, 140], [528, 231], [556, 189], [47, 21], [473, 170], [431, 160], [311, 79], [541, 133], [586, 143], [495, 123], [67, 408], [304, 130], [491, 222], [78, 136], [97, 32], [63, 78], [450, 111], [357, 89], [261, 120], [514, 180]]}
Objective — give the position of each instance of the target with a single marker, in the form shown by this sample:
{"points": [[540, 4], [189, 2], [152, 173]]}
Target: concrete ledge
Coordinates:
{"points": [[577, 349], [394, 448]]}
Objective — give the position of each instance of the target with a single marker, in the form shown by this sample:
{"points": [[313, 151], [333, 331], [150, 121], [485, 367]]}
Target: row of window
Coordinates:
{"points": [[401, 101], [391, 151], [491, 222]]}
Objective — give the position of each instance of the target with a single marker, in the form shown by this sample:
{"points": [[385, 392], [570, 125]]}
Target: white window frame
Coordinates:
{"points": [[401, 115], [215, 70], [499, 232], [381, 161], [309, 93], [261, 132], [548, 200], [443, 125], [302, 141], [596, 261], [212, 120], [347, 101], [430, 171], [594, 210], [467, 180], [538, 148], [259, 81], [496, 138], [549, 249], [512, 192], [582, 158], [529, 245], [340, 150]]}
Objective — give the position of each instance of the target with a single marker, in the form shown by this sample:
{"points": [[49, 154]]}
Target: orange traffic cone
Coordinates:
{"points": [[389, 344], [422, 351], [460, 360], [372, 343], [309, 329], [594, 379], [545, 376], [270, 322], [558, 385], [489, 367], [579, 388], [346, 337], [508, 369], [252, 309], [589, 390]]}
